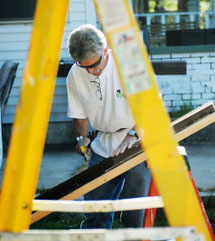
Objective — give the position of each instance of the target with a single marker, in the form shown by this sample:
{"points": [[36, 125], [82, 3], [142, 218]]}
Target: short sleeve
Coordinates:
{"points": [[75, 108]]}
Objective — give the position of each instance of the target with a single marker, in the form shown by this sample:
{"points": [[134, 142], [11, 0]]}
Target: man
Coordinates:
{"points": [[95, 94]]}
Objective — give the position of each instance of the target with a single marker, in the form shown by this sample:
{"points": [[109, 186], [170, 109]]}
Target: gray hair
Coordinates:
{"points": [[86, 41]]}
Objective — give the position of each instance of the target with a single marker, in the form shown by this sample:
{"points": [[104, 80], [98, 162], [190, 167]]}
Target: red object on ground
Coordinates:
{"points": [[150, 214]]}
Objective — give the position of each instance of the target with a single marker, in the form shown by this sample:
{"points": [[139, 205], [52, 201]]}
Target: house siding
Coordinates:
{"points": [[14, 45], [193, 89]]}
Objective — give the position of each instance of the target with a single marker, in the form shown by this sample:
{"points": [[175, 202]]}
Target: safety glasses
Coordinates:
{"points": [[92, 65]]}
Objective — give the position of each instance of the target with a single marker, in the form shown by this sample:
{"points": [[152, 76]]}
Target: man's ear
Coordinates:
{"points": [[105, 51]]}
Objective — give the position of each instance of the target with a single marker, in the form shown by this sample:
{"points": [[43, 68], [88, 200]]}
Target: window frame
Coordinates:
{"points": [[14, 18]]}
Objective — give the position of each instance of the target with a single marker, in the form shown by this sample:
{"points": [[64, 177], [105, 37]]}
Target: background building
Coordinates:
{"points": [[190, 89]]}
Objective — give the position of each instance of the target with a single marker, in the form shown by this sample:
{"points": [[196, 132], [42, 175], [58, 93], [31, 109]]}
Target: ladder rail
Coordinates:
{"points": [[152, 121], [32, 115]]}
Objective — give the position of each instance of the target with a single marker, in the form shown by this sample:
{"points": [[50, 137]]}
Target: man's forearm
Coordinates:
{"points": [[81, 127]]}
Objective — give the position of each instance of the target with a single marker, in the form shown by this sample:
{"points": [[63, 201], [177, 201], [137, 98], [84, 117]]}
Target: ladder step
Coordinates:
{"points": [[98, 206], [166, 233]]}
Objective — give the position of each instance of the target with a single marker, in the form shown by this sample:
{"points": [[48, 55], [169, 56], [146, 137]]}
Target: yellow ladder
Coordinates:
{"points": [[32, 115], [152, 121]]}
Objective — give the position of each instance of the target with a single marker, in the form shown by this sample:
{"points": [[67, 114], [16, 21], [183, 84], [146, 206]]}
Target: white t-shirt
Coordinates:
{"points": [[107, 115]]}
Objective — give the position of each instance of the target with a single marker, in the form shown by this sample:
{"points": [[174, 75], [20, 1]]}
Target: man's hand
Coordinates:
{"points": [[86, 142], [127, 143]]}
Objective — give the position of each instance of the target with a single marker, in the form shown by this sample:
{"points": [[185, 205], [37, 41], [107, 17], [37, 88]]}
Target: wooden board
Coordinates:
{"points": [[95, 176], [194, 115], [98, 206], [165, 233]]}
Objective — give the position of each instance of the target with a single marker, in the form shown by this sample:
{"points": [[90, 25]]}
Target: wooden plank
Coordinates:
{"points": [[166, 233], [97, 206], [103, 168], [90, 179], [195, 127], [95, 176], [190, 118]]}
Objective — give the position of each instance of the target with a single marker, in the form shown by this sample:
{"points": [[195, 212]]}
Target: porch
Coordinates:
{"points": [[159, 23]]}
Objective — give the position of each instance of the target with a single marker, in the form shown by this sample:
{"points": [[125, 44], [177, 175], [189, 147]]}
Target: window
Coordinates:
{"points": [[17, 9]]}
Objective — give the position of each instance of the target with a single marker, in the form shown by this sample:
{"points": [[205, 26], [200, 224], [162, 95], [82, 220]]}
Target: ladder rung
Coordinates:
{"points": [[97, 206], [104, 235]]}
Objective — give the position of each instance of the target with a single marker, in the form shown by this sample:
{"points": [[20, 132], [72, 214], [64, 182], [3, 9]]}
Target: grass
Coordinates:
{"points": [[59, 221], [183, 110], [73, 220], [209, 206], [65, 221], [209, 203]]}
